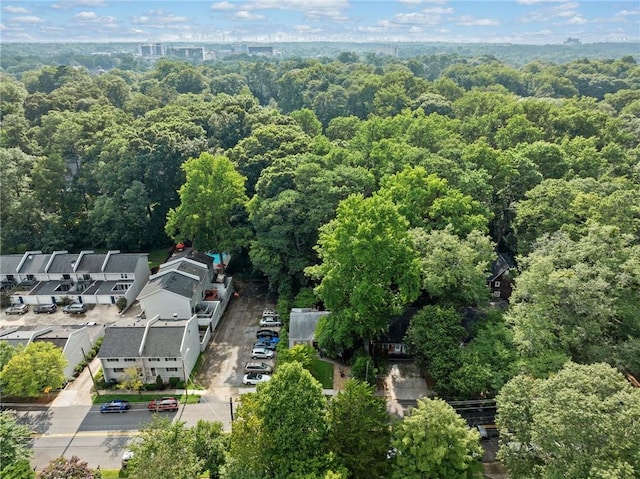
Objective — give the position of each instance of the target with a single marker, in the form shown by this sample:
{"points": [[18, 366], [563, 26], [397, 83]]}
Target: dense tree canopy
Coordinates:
{"points": [[580, 422], [34, 370]]}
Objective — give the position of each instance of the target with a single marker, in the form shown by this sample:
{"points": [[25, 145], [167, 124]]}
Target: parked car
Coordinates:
{"points": [[17, 309], [163, 404], [265, 343], [75, 308], [261, 353], [270, 321], [117, 405], [45, 308], [251, 379], [267, 333], [258, 367], [269, 312]]}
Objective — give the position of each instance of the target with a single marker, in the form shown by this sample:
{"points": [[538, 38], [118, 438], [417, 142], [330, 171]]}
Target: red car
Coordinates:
{"points": [[163, 404]]}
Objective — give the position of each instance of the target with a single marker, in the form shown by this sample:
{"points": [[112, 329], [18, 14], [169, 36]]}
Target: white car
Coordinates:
{"points": [[269, 312], [252, 379], [261, 353], [270, 321]]}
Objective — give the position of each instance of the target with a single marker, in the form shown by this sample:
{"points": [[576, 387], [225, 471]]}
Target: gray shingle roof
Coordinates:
{"points": [[164, 341], [91, 263], [63, 263], [302, 324], [35, 263], [123, 262], [9, 263], [172, 281], [121, 342]]}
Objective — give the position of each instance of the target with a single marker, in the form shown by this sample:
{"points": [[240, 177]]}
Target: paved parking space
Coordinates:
{"points": [[230, 347]]}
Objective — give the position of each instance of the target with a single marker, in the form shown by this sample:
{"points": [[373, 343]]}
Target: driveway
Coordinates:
{"points": [[230, 347]]}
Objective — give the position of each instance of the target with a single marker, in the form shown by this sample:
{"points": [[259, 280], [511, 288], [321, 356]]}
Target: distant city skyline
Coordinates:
{"points": [[272, 21]]}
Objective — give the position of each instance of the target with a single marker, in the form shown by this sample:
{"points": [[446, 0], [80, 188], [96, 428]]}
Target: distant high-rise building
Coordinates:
{"points": [[151, 49], [194, 53]]}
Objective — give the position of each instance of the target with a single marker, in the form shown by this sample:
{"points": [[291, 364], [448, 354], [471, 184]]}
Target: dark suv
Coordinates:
{"points": [[45, 308]]}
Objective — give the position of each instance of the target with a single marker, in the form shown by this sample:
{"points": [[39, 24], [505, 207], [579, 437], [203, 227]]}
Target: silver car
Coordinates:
{"points": [[258, 367], [261, 353], [17, 309]]}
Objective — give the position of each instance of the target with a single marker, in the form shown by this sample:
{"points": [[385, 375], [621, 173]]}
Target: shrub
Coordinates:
{"points": [[159, 383], [364, 370], [173, 382], [121, 303]]}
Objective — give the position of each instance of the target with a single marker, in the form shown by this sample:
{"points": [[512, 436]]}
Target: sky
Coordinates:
{"points": [[228, 21]]}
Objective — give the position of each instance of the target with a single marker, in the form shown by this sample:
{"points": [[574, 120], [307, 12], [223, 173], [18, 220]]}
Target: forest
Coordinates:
{"points": [[366, 184]]}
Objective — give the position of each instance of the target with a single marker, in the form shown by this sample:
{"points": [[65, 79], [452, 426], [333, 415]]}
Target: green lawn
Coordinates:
{"points": [[158, 256], [323, 372], [136, 398]]}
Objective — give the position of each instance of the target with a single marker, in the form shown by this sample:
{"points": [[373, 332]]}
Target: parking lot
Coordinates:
{"points": [[230, 346], [101, 314]]}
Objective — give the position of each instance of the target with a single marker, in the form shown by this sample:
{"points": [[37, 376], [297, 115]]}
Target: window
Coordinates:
{"points": [[170, 359], [124, 275], [496, 294], [118, 370], [153, 371], [172, 370], [496, 284], [86, 276], [112, 360], [120, 287], [129, 360], [31, 277], [66, 276], [154, 359]]}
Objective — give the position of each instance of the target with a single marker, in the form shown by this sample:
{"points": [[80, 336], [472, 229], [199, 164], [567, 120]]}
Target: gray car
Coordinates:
{"points": [[17, 309], [258, 367], [75, 308], [45, 308]]}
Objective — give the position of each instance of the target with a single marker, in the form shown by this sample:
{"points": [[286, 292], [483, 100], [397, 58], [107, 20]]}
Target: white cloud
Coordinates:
{"points": [[438, 11], [159, 18], [68, 5], [577, 20], [306, 29], [550, 13], [14, 9], [93, 17], [470, 21], [420, 2], [221, 6], [627, 13], [245, 15], [27, 19], [416, 19], [531, 2]]}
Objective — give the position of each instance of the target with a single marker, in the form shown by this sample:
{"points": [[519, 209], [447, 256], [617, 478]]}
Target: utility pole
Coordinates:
{"points": [[95, 385], [231, 407]]}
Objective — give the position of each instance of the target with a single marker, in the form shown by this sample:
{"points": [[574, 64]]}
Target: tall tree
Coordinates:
{"points": [[210, 443], [577, 299], [369, 271], [15, 454], [577, 423], [434, 441], [164, 446], [33, 370], [212, 208], [360, 431]]}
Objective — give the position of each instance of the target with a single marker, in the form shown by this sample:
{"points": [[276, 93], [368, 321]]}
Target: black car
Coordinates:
{"points": [[45, 308]]}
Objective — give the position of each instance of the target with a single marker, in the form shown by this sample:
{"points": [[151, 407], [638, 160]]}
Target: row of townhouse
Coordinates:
{"points": [[85, 277], [181, 306]]}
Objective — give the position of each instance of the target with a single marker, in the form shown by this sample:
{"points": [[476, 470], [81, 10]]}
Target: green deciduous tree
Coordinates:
{"points": [[360, 431], [37, 368], [369, 271], [302, 353], [210, 444], [434, 441], [15, 453], [212, 208], [132, 380], [72, 468], [454, 270], [166, 448], [577, 298], [580, 422]]}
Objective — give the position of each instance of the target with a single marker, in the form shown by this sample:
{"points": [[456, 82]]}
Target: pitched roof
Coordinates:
{"points": [[164, 339], [122, 341], [90, 263], [173, 281], [123, 262], [503, 263], [63, 263], [35, 263], [303, 322], [9, 263], [200, 270]]}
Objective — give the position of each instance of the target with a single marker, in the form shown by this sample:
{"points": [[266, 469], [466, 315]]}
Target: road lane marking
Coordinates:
{"points": [[86, 434]]}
